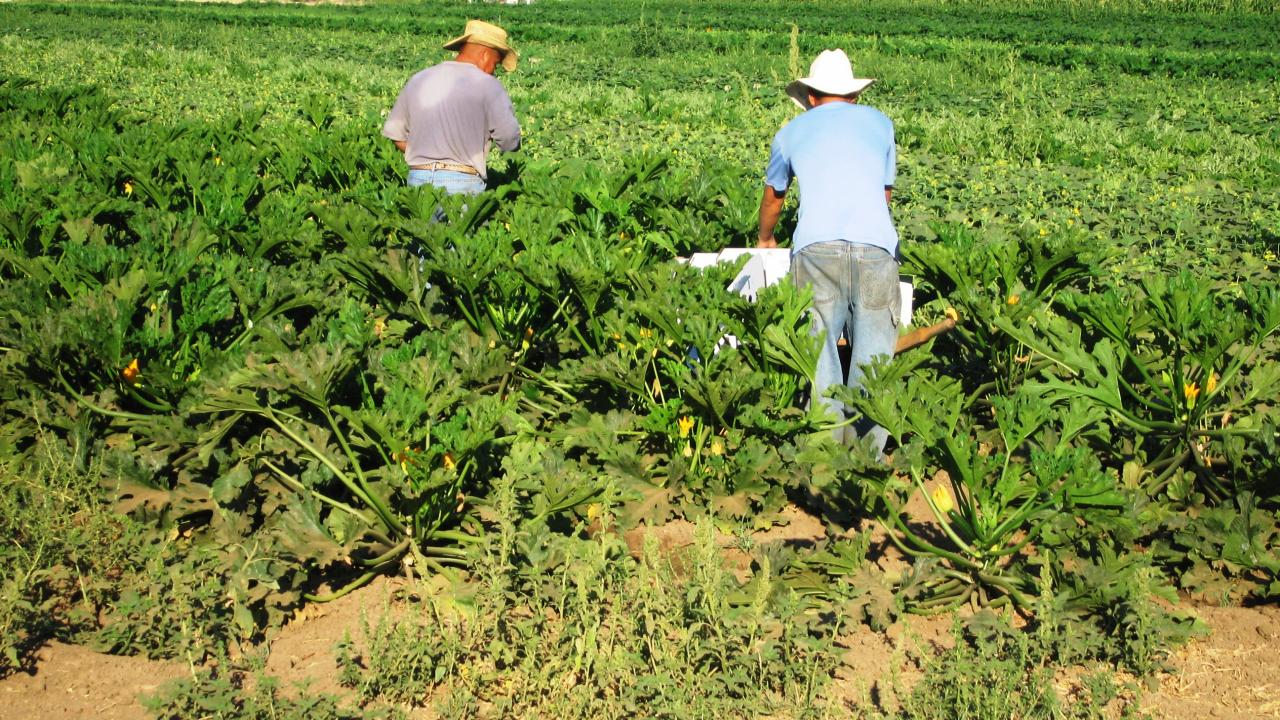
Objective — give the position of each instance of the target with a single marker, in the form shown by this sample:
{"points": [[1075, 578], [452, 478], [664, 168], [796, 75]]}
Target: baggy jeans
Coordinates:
{"points": [[453, 182], [856, 287]]}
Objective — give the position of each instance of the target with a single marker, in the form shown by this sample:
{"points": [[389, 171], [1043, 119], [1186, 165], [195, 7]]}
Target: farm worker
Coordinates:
{"points": [[845, 245], [448, 115]]}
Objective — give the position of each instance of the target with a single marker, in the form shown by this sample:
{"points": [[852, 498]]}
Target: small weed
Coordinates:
{"points": [[175, 606], [590, 632], [65, 552], [241, 694], [992, 678]]}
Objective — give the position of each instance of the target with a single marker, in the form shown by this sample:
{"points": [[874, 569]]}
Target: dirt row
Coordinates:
{"points": [[1230, 673]]}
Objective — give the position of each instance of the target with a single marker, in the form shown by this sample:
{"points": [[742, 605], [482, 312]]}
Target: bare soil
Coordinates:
{"points": [[1229, 674]]}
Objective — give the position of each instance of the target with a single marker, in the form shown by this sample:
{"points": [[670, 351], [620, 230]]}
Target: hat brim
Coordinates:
{"points": [[798, 90], [509, 56]]}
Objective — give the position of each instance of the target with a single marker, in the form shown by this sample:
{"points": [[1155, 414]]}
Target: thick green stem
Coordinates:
{"points": [[100, 410], [942, 520], [160, 407], [388, 556], [378, 506], [353, 585], [324, 459], [297, 486], [929, 547]]}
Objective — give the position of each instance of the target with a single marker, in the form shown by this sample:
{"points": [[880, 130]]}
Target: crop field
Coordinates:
{"points": [[246, 375]]}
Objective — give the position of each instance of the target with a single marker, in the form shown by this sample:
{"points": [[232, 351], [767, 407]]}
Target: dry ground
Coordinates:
{"points": [[1229, 674]]}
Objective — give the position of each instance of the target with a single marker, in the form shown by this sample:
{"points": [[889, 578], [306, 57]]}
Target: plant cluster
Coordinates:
{"points": [[276, 356], [579, 628]]}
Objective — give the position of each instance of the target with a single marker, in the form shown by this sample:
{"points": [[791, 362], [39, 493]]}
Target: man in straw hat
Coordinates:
{"points": [[448, 115], [844, 245]]}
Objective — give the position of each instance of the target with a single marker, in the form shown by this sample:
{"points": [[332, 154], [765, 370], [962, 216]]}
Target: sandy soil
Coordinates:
{"points": [[1229, 674]]}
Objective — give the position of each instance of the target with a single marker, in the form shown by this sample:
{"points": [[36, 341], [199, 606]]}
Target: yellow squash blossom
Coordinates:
{"points": [[130, 372], [942, 499], [1212, 383], [685, 424], [1191, 391]]}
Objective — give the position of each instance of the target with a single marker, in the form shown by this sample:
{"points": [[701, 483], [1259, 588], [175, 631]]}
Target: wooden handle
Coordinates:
{"points": [[920, 336]]}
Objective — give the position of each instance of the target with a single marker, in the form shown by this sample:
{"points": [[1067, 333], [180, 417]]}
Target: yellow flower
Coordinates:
{"points": [[405, 457], [942, 499], [1014, 300], [1212, 383], [130, 372], [128, 188], [1191, 391], [717, 447], [449, 463], [685, 424], [951, 313]]}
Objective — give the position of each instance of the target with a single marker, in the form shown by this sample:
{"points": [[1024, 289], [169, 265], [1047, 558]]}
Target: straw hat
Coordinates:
{"points": [[489, 35], [830, 74]]}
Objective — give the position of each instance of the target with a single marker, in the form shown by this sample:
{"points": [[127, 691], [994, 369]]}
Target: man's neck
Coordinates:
{"points": [[477, 56]]}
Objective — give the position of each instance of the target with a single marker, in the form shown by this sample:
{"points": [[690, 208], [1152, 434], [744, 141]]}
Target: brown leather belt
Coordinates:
{"points": [[455, 167]]}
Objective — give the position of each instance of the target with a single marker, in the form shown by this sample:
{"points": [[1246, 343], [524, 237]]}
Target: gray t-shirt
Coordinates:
{"points": [[451, 112]]}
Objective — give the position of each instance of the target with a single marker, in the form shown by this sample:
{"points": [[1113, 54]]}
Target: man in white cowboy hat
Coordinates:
{"points": [[448, 115], [844, 245]]}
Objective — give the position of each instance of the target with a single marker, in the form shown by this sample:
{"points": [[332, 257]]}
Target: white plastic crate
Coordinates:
{"points": [[770, 265]]}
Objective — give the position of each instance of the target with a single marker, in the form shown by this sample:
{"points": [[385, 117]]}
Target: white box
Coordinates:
{"points": [[770, 265]]}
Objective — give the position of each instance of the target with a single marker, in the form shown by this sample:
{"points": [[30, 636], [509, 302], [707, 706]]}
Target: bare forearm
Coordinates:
{"points": [[770, 210]]}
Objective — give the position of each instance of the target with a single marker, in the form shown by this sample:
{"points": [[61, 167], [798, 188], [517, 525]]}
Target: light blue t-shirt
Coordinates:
{"points": [[843, 156]]}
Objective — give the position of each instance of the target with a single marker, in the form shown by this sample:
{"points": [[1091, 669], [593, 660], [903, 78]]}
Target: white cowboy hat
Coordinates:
{"points": [[830, 74], [489, 35]]}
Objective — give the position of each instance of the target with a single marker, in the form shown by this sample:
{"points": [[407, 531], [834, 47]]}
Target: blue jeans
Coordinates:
{"points": [[453, 182], [856, 287]]}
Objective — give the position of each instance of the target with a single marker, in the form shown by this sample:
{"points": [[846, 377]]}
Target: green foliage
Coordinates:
{"points": [[1115, 609], [65, 552], [992, 282], [1004, 484], [270, 349], [1225, 553], [994, 672], [1180, 371], [577, 628], [984, 679], [246, 694], [175, 605]]}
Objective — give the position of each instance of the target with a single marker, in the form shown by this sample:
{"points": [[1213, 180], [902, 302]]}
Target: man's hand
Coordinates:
{"points": [[770, 210], [401, 145]]}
